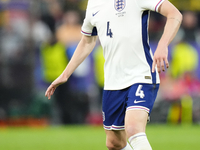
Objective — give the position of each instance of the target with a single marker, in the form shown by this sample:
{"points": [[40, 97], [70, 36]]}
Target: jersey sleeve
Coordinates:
{"points": [[87, 28], [152, 5]]}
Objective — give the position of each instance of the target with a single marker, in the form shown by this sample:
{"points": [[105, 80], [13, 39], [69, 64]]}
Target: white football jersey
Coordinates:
{"points": [[122, 27]]}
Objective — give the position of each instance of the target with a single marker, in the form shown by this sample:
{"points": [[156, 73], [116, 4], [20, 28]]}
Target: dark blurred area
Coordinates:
{"points": [[37, 40]]}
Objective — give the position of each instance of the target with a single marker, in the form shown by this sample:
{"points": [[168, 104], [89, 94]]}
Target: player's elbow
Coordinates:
{"points": [[176, 15], [179, 16]]}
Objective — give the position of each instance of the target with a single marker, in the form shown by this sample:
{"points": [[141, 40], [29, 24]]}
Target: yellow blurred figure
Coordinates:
{"points": [[54, 60], [184, 59], [99, 66]]}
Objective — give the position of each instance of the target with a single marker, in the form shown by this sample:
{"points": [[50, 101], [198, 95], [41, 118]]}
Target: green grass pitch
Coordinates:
{"points": [[161, 137]]}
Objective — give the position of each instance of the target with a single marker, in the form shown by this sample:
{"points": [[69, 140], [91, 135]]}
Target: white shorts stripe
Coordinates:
{"points": [[138, 107], [113, 127]]}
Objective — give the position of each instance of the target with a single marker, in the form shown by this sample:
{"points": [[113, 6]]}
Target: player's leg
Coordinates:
{"points": [[135, 125], [114, 108], [116, 140], [140, 102]]}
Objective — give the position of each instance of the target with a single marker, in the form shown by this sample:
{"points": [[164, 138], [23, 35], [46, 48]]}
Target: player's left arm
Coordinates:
{"points": [[174, 19]]}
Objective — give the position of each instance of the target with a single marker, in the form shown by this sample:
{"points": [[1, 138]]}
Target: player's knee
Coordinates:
{"points": [[132, 130], [115, 144]]}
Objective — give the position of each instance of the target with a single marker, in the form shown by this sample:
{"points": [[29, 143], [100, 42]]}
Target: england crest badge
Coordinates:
{"points": [[120, 5]]}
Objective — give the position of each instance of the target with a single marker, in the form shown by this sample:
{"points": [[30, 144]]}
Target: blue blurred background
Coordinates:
{"points": [[37, 40]]}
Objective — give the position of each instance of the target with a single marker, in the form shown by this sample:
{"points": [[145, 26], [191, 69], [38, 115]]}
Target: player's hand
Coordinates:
{"points": [[51, 89], [160, 60]]}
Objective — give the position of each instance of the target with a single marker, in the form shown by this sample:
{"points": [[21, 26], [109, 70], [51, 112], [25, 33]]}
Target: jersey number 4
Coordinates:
{"points": [[109, 32]]}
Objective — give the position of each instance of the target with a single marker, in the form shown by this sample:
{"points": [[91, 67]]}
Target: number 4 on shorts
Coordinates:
{"points": [[140, 92]]}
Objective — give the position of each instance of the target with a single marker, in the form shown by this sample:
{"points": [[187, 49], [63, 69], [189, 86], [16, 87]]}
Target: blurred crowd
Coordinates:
{"points": [[37, 40]]}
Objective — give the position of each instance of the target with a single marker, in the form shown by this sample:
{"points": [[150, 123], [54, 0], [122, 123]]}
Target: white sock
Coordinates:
{"points": [[139, 141], [127, 147]]}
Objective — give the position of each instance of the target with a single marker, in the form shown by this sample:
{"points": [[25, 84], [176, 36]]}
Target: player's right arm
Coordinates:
{"points": [[84, 48], [174, 19]]}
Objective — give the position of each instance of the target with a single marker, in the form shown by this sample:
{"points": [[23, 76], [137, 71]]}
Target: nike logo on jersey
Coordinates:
{"points": [[95, 13], [135, 101]]}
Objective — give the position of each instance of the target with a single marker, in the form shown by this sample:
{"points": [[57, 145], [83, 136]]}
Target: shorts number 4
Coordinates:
{"points": [[140, 92]]}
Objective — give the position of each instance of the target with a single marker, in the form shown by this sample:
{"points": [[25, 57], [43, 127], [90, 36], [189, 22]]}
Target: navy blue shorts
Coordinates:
{"points": [[116, 102]]}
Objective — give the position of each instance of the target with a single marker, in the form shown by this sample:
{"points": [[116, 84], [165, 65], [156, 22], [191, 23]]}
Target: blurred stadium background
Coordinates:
{"points": [[38, 38]]}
